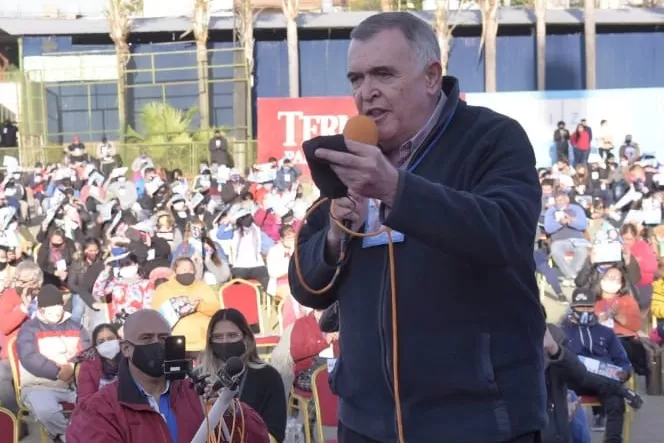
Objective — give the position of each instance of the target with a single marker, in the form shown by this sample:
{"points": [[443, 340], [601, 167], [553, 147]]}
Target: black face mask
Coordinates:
{"points": [[224, 351], [149, 359], [185, 279]]}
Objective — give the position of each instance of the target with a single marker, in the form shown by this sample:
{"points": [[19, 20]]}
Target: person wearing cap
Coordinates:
{"points": [[565, 370], [590, 339], [46, 345]]}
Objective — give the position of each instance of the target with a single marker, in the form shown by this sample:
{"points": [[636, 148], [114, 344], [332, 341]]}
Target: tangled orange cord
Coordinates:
{"points": [[235, 406], [393, 290]]}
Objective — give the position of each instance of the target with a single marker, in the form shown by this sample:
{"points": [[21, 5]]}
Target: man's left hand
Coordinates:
{"points": [[364, 170]]}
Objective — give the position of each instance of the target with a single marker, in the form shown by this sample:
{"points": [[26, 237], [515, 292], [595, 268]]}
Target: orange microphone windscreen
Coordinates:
{"points": [[361, 129]]}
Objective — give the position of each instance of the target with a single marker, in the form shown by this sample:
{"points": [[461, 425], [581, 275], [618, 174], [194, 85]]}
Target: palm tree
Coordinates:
{"points": [[118, 15], [589, 36], [243, 58], [488, 42], [540, 35], [166, 135], [290, 9], [200, 25]]}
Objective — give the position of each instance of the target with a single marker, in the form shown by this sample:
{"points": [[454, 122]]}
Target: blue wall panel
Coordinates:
{"points": [[271, 69], [221, 92], [466, 64], [633, 60], [323, 67], [564, 62], [516, 63]]}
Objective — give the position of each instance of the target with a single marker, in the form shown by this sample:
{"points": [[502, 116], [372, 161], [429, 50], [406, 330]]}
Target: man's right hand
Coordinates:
{"points": [[343, 209]]}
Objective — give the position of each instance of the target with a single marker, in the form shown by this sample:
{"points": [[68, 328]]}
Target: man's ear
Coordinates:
{"points": [[434, 75], [125, 347]]}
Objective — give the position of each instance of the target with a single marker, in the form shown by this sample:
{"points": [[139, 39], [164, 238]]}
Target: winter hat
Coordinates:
{"points": [[49, 295]]}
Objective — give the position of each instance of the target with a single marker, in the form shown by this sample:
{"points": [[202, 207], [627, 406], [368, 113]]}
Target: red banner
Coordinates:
{"points": [[284, 123]]}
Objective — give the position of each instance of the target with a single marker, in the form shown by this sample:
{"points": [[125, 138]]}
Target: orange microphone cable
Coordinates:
{"points": [[362, 129]]}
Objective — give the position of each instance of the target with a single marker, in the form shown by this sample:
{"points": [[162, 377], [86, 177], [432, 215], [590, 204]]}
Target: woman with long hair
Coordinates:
{"points": [[643, 253], [262, 388], [581, 143], [98, 365]]}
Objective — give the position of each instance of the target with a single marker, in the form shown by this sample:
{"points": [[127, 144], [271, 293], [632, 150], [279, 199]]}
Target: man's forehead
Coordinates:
{"points": [[386, 48]]}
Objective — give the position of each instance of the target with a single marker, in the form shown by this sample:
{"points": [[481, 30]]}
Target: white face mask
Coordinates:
{"points": [[128, 272], [109, 349], [53, 314], [610, 287]]}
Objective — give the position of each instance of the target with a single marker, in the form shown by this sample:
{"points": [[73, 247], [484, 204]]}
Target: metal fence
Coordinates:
{"points": [[71, 94], [184, 156]]}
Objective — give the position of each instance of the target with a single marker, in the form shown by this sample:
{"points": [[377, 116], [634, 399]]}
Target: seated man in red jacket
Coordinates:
{"points": [[142, 405]]}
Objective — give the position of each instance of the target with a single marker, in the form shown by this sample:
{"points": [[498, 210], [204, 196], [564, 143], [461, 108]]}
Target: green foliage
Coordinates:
{"points": [[166, 135]]}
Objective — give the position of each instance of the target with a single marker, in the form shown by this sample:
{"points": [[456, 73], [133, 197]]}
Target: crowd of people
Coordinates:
{"points": [[99, 262], [600, 236]]}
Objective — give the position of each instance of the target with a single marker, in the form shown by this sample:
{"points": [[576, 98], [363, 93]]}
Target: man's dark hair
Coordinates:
{"points": [[418, 33], [561, 123]]}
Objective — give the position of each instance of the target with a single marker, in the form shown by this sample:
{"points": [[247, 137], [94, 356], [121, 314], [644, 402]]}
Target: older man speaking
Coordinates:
{"points": [[458, 187]]}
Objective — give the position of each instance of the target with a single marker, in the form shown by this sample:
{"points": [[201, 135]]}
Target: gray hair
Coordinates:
{"points": [[31, 268], [418, 33]]}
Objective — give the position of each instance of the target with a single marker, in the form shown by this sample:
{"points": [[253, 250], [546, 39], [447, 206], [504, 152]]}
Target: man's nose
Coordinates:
{"points": [[368, 90]]}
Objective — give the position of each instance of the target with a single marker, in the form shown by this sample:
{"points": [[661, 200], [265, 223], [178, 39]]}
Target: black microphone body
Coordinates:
{"points": [[229, 376]]}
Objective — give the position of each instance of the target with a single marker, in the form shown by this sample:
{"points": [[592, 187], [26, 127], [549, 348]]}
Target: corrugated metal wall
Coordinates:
{"points": [[626, 60]]}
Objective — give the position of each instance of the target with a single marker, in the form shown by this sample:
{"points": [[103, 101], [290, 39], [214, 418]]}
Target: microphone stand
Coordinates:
{"points": [[215, 416]]}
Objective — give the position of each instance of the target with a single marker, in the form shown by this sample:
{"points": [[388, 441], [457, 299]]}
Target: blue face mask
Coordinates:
{"points": [[585, 318]]}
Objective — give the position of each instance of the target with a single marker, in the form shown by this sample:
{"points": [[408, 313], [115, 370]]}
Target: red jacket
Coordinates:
{"points": [[307, 341], [11, 318], [647, 259], [120, 413], [87, 381]]}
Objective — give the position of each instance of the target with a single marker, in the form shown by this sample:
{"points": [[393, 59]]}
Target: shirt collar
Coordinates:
{"points": [[144, 392], [411, 146]]}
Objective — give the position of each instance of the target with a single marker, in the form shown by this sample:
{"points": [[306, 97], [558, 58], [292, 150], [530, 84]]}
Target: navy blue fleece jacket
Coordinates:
{"points": [[470, 324]]}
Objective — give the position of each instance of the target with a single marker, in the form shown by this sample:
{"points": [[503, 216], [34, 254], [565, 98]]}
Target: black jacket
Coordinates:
{"points": [[468, 211], [559, 372]]}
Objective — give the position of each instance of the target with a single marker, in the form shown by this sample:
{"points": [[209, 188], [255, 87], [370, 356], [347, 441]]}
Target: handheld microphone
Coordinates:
{"points": [[228, 380], [361, 129]]}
